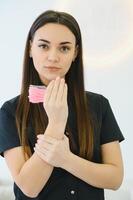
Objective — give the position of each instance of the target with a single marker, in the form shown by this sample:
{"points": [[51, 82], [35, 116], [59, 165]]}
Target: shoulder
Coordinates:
{"points": [[97, 104], [96, 99], [10, 105], [9, 137], [95, 96]]}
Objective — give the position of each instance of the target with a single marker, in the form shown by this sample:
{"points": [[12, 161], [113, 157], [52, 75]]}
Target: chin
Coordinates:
{"points": [[54, 76], [47, 79]]}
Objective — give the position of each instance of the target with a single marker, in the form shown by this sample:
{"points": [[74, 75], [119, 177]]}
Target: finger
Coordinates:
{"points": [[55, 90], [40, 154], [47, 138], [64, 97], [49, 91], [40, 136], [41, 149], [44, 157], [44, 144], [43, 141], [66, 138], [61, 90]]}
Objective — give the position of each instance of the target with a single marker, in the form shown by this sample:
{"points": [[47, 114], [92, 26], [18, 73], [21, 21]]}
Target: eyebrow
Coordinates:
{"points": [[49, 41]]}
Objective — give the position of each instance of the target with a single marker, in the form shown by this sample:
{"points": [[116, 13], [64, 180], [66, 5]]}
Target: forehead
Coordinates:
{"points": [[55, 33]]}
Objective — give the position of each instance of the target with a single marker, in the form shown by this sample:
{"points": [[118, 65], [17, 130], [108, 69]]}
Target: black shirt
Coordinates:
{"points": [[62, 185]]}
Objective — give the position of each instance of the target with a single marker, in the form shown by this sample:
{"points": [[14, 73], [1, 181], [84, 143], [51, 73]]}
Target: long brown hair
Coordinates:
{"points": [[74, 78]]}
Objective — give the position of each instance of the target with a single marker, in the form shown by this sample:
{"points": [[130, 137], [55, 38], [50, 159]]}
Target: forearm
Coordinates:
{"points": [[35, 172], [33, 176], [98, 175]]}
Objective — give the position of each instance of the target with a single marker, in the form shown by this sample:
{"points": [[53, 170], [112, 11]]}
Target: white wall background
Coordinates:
{"points": [[107, 31]]}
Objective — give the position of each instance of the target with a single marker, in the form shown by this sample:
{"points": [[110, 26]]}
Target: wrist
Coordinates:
{"points": [[55, 131], [59, 126], [54, 127]]}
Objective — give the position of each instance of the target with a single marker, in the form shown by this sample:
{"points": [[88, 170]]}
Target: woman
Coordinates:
{"points": [[66, 147]]}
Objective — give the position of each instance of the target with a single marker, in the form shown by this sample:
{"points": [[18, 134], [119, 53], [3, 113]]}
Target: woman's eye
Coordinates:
{"points": [[43, 46], [64, 49]]}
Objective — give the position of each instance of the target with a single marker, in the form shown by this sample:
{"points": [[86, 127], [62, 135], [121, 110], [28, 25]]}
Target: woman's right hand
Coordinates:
{"points": [[55, 103]]}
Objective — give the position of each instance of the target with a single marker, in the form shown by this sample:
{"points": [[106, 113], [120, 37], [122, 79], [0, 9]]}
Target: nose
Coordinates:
{"points": [[53, 56]]}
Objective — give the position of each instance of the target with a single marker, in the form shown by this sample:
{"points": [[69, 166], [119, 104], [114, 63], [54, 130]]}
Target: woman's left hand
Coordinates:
{"points": [[53, 151]]}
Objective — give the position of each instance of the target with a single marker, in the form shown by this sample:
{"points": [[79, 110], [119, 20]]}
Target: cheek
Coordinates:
{"points": [[68, 62], [38, 61]]}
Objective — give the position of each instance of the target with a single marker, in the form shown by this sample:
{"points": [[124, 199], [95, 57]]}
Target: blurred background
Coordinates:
{"points": [[107, 33]]}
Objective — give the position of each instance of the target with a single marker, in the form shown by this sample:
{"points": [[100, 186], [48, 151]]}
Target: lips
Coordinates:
{"points": [[52, 67]]}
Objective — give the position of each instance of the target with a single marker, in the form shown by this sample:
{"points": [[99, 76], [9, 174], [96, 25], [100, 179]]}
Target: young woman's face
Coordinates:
{"points": [[53, 45]]}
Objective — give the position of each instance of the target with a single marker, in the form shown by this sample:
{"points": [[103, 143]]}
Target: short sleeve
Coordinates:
{"points": [[8, 132], [110, 130]]}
